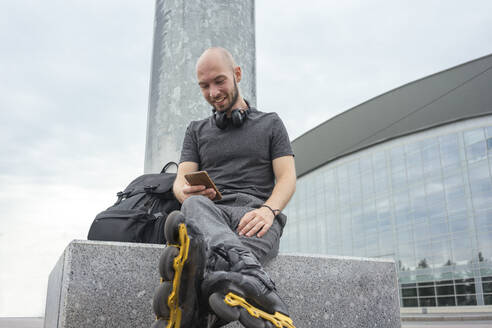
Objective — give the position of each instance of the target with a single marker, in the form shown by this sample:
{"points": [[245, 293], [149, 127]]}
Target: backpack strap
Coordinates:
{"points": [[164, 169]]}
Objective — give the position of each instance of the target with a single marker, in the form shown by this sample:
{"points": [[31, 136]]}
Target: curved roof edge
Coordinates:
{"points": [[455, 94]]}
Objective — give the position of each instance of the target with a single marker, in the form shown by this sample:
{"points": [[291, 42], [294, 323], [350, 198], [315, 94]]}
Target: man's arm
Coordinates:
{"points": [[183, 190], [261, 219]]}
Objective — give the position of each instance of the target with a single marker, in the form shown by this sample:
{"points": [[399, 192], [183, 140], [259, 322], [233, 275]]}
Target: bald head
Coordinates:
{"points": [[216, 54], [218, 76]]}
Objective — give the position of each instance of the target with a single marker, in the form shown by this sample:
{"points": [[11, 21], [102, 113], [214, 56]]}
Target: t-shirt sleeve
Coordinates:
{"points": [[189, 152], [280, 140]]}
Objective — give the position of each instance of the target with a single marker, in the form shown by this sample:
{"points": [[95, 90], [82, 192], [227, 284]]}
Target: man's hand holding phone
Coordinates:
{"points": [[189, 190], [200, 183]]}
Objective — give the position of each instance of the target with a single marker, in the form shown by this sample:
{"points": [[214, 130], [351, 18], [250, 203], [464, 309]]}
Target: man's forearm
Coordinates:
{"points": [[178, 188], [260, 220], [282, 193], [180, 182]]}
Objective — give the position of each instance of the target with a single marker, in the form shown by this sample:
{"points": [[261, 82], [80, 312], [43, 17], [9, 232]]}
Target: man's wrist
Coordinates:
{"points": [[274, 211]]}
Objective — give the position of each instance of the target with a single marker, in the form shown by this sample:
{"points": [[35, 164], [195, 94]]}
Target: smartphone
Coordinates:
{"points": [[202, 178]]}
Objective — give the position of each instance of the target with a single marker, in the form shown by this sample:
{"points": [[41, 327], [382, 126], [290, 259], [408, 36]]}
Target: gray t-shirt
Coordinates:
{"points": [[238, 159]]}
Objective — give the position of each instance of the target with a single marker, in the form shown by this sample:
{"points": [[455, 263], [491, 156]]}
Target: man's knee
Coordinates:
{"points": [[194, 203]]}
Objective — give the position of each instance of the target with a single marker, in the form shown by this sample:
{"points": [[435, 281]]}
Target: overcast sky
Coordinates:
{"points": [[74, 85]]}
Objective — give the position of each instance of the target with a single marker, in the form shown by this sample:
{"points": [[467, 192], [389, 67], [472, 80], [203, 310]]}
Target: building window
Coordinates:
{"points": [[424, 200]]}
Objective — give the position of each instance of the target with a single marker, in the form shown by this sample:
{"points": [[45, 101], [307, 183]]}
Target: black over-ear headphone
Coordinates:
{"points": [[238, 116]]}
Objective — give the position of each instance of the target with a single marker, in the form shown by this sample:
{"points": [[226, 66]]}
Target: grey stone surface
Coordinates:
{"points": [[21, 322], [53, 296], [331, 291], [111, 285], [182, 31], [103, 285]]}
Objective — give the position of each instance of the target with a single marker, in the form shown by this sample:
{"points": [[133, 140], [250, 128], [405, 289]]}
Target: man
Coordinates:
{"points": [[248, 155]]}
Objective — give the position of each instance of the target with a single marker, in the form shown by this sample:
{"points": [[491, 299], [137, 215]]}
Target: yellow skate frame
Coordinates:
{"points": [[179, 261], [278, 319]]}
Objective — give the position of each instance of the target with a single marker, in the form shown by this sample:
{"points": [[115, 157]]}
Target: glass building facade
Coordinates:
{"points": [[424, 200]]}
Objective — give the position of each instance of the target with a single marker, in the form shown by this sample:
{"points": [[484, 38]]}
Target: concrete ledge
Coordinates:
{"points": [[103, 284], [21, 322], [108, 284], [448, 317], [447, 309], [447, 313]]}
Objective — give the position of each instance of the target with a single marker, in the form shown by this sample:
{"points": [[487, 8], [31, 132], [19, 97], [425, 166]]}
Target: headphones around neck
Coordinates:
{"points": [[238, 116]]}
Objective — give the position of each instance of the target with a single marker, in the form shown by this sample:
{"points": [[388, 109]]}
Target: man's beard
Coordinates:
{"points": [[235, 95]]}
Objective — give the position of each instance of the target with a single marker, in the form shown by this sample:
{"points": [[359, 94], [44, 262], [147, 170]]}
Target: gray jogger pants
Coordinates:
{"points": [[218, 222]]}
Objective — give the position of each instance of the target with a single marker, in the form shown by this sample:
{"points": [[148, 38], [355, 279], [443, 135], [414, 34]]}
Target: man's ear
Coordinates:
{"points": [[238, 74]]}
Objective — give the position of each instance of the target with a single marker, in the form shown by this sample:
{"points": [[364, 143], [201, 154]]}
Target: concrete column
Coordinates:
{"points": [[182, 31]]}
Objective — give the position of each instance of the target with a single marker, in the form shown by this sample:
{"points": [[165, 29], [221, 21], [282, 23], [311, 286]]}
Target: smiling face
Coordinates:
{"points": [[217, 77]]}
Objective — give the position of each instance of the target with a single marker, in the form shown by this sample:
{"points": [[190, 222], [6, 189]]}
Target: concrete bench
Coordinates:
{"points": [[108, 284]]}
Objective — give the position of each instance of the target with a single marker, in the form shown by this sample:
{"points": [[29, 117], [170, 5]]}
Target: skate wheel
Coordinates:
{"points": [[224, 311], [166, 262], [160, 323], [249, 321], [171, 228], [159, 303]]}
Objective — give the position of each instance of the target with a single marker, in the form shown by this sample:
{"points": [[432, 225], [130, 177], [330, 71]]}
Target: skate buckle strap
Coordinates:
{"points": [[278, 319], [179, 261]]}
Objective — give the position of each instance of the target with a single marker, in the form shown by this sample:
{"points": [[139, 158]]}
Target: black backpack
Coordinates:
{"points": [[140, 212]]}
